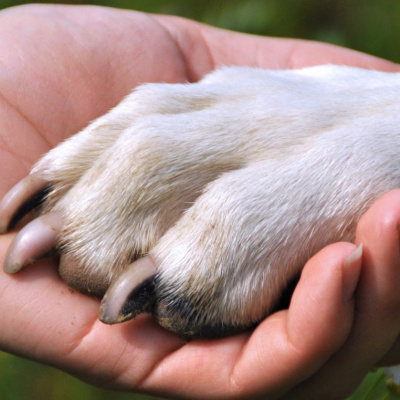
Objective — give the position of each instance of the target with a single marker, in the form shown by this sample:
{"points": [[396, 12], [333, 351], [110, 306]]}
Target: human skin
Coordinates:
{"points": [[61, 67]]}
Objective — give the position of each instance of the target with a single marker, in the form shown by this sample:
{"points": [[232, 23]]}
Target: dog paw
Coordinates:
{"points": [[200, 202]]}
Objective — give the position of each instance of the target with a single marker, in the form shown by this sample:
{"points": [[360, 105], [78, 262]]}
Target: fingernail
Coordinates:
{"points": [[351, 272]]}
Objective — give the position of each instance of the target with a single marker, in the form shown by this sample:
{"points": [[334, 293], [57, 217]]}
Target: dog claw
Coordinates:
{"points": [[36, 240], [20, 199], [130, 294]]}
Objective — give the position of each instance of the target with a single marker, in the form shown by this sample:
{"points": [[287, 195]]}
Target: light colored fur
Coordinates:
{"points": [[231, 183]]}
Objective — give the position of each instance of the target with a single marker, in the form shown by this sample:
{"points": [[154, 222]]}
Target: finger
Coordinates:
{"points": [[378, 296], [216, 47], [377, 318], [285, 349]]}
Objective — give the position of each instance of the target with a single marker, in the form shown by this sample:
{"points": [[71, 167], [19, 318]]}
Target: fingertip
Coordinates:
{"points": [[351, 272], [293, 344], [378, 230], [319, 317], [382, 216]]}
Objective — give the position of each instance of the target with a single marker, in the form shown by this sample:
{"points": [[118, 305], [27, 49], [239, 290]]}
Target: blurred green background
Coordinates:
{"points": [[367, 25], [370, 26]]}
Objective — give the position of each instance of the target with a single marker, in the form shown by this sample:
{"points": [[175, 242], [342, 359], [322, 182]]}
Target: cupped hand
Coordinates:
{"points": [[61, 67]]}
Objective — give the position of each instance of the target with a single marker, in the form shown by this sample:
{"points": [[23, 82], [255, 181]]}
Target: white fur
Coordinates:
{"points": [[231, 183]]}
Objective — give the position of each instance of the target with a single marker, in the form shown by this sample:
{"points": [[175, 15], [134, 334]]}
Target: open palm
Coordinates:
{"points": [[61, 67]]}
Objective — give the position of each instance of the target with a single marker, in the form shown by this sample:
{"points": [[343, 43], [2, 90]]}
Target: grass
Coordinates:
{"points": [[22, 379], [26, 380]]}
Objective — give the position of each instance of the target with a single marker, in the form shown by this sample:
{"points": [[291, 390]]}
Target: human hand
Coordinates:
{"points": [[63, 66]]}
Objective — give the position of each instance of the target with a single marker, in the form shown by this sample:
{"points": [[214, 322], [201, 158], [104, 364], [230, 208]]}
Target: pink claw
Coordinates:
{"points": [[34, 241], [130, 294], [16, 197]]}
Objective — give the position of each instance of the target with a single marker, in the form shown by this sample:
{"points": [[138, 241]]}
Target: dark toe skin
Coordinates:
{"points": [[72, 273], [186, 324]]}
